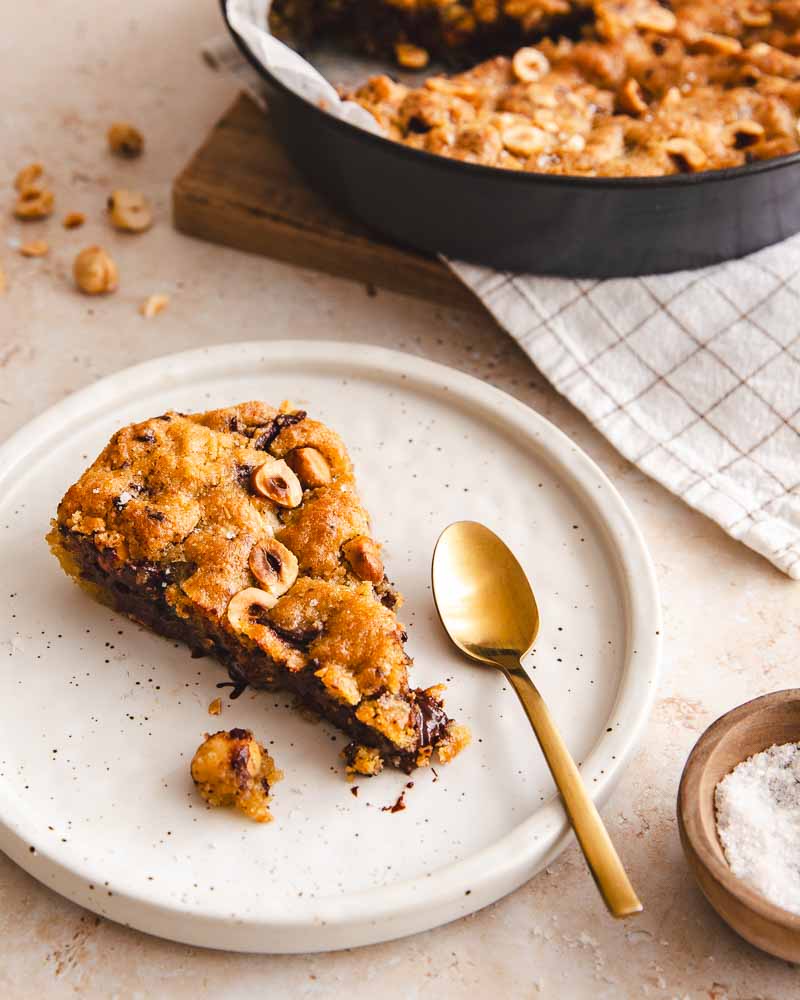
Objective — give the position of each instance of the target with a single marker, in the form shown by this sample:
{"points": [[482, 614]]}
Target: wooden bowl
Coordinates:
{"points": [[748, 729]]}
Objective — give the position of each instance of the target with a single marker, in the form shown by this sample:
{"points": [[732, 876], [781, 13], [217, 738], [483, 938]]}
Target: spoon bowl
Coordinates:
{"points": [[483, 597], [488, 609]]}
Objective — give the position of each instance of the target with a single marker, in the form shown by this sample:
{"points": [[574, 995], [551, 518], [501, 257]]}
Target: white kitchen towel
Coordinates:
{"points": [[694, 377]]}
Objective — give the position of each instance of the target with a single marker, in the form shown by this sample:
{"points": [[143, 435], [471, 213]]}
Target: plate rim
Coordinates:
{"points": [[412, 905]]}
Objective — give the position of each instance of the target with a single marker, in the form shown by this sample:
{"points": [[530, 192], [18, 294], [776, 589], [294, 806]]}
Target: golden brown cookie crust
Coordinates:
{"points": [[172, 525], [620, 88]]}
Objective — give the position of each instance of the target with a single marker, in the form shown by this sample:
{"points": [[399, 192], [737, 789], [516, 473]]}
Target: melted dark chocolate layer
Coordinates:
{"points": [[138, 591]]}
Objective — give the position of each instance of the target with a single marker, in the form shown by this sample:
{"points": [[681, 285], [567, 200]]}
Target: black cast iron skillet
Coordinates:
{"points": [[544, 224]]}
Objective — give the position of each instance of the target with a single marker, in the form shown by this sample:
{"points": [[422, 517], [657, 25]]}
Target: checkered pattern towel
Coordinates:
{"points": [[694, 377]]}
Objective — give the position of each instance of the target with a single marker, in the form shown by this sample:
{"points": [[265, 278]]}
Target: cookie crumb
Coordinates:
{"points": [[398, 806], [215, 708], [233, 769]]}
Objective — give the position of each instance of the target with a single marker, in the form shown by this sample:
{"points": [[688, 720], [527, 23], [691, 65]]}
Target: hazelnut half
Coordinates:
{"points": [[34, 203], [28, 176], [524, 140], [743, 133], [35, 248], [657, 19], [274, 566], [73, 220], [411, 56], [631, 98], [687, 155], [755, 18], [129, 211], [364, 557], [276, 481], [94, 271], [240, 606], [311, 467], [530, 65], [716, 44], [153, 305], [125, 140]]}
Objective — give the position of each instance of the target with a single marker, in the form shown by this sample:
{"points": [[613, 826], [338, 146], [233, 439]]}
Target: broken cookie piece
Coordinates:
{"points": [[233, 769]]}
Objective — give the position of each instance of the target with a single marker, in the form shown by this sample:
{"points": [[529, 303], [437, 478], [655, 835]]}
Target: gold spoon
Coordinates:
{"points": [[488, 609]]}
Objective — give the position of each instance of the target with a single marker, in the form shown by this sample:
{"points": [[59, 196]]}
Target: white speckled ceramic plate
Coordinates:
{"points": [[99, 719]]}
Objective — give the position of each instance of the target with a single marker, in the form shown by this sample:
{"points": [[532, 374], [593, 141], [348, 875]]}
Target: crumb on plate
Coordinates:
{"points": [[233, 769]]}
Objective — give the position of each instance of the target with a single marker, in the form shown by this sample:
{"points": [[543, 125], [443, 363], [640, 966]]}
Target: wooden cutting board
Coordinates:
{"points": [[240, 190]]}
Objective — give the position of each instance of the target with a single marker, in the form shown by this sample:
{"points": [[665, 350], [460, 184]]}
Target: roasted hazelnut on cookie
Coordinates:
{"points": [[530, 65], [274, 566], [242, 606], [311, 467], [364, 556], [276, 481]]}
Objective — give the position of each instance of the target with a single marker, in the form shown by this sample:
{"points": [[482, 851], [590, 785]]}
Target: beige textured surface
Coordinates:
{"points": [[731, 630]]}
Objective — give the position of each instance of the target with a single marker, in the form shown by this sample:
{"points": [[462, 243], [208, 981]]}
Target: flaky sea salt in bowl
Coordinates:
{"points": [[758, 823], [751, 820]]}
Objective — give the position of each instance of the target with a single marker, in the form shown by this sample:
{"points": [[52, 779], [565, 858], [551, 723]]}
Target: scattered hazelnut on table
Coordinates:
{"points": [[129, 211], [153, 305], [94, 271], [73, 220], [125, 140], [35, 248], [34, 203], [28, 176]]}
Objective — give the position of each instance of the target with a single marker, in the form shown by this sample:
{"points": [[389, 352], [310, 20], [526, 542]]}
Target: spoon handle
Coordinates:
{"points": [[600, 854]]}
